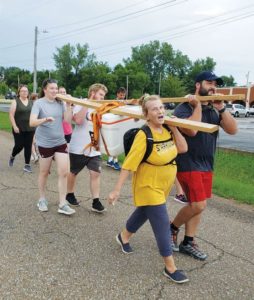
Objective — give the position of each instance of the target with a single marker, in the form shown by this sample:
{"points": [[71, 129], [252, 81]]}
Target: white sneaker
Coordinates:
{"points": [[66, 210], [43, 204]]}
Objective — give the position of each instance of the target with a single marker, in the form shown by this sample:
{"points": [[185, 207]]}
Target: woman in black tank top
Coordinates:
{"points": [[23, 134]]}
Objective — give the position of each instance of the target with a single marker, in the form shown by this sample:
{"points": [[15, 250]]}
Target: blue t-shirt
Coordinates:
{"points": [[201, 147]]}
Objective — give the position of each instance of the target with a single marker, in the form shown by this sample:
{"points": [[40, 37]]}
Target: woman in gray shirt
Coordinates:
{"points": [[47, 115]]}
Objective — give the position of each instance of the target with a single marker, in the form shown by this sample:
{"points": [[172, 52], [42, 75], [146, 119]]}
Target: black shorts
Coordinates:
{"points": [[49, 152], [79, 161]]}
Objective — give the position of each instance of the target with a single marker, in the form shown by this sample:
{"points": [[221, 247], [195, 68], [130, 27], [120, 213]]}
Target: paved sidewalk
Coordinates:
{"points": [[51, 256]]}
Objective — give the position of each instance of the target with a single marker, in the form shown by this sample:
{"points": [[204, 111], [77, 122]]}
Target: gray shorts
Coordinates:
{"points": [[79, 161]]}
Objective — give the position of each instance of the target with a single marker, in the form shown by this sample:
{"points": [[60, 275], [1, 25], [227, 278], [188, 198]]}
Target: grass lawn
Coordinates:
{"points": [[5, 123], [234, 176]]}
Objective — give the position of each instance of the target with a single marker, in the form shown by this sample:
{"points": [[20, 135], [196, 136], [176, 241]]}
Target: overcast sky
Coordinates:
{"points": [[221, 29]]}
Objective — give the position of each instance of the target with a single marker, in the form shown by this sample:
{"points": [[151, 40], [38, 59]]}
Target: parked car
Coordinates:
{"points": [[251, 110], [237, 110], [10, 95]]}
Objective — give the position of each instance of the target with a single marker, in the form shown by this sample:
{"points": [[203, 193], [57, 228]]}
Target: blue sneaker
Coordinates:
{"points": [[177, 276], [116, 166], [126, 248], [110, 163]]}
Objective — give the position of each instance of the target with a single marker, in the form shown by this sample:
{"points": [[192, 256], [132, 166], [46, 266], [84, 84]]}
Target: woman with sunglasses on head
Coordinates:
{"points": [[47, 115], [151, 183], [22, 132]]}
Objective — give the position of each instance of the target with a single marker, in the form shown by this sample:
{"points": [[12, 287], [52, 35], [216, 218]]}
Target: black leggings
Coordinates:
{"points": [[23, 140]]}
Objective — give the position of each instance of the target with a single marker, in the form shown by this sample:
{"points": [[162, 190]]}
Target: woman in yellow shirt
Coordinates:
{"points": [[151, 183]]}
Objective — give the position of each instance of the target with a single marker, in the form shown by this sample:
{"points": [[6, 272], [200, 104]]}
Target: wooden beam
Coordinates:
{"points": [[183, 99], [124, 111]]}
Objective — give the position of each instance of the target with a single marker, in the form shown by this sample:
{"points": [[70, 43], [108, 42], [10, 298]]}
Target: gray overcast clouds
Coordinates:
{"points": [[220, 29]]}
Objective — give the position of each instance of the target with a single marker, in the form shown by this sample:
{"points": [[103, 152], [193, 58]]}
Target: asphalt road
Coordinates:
{"points": [[51, 256], [243, 140]]}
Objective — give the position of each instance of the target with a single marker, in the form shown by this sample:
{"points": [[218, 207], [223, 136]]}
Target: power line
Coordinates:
{"points": [[95, 26], [227, 20], [113, 20], [99, 16]]}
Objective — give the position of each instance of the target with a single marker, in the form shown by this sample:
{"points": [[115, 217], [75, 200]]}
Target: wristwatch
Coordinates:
{"points": [[222, 110]]}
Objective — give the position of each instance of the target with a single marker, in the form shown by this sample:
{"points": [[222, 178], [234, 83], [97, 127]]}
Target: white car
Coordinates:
{"points": [[237, 110], [251, 110]]}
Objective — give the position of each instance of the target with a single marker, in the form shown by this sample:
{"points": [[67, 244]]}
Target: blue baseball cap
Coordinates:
{"points": [[209, 76]]}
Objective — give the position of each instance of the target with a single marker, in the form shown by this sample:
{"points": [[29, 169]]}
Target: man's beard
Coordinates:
{"points": [[205, 92]]}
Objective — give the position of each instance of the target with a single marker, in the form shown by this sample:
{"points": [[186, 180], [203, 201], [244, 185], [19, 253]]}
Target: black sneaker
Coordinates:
{"points": [[98, 207], [174, 234], [126, 248], [181, 199], [192, 250], [11, 161], [178, 276], [70, 197]]}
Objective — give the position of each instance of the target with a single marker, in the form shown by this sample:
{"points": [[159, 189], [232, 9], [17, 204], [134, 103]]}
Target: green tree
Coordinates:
{"points": [[172, 86], [3, 89], [228, 80], [207, 64], [70, 61]]}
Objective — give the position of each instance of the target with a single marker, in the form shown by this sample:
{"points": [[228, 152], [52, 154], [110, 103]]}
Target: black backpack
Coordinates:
{"points": [[129, 137]]}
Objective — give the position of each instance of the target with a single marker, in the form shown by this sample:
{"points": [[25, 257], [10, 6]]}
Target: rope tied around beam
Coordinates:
{"points": [[96, 118]]}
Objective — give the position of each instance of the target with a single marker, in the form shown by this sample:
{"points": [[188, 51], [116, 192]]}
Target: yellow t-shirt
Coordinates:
{"points": [[151, 183]]}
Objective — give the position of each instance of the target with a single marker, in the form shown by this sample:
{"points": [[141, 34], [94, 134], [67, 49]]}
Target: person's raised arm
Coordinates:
{"points": [[68, 113], [80, 116], [228, 123], [180, 141], [195, 116]]}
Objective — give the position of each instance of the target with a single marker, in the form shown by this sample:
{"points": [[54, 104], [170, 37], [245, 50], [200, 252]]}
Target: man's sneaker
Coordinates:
{"points": [[110, 163], [126, 248], [177, 276], [42, 204], [11, 161], [116, 166], [174, 245], [98, 207], [72, 200], [181, 199], [66, 210], [27, 168], [192, 250]]}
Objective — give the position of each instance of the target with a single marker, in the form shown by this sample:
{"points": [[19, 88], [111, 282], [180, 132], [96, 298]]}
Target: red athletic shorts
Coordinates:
{"points": [[197, 185]]}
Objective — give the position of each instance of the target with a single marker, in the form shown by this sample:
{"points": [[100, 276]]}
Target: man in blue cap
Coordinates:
{"points": [[195, 168]]}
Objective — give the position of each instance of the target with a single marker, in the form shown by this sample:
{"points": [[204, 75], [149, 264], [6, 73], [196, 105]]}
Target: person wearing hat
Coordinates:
{"points": [[195, 167]]}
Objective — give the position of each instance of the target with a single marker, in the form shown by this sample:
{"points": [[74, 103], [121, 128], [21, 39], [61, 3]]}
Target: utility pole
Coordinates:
{"points": [[159, 92], [127, 86], [35, 59], [18, 81]]}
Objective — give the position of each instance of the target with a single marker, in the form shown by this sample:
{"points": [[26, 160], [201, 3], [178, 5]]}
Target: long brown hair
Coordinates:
{"points": [[44, 85]]}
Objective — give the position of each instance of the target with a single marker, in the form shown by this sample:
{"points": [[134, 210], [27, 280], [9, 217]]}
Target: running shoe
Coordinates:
{"points": [[192, 250]]}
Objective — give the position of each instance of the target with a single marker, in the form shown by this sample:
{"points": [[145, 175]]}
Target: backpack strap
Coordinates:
{"points": [[149, 141]]}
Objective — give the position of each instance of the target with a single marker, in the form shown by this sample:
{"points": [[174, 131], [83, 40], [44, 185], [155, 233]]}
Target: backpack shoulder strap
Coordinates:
{"points": [[149, 141]]}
